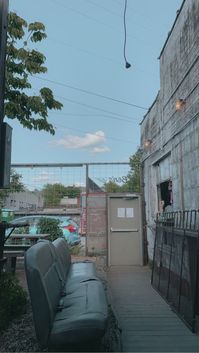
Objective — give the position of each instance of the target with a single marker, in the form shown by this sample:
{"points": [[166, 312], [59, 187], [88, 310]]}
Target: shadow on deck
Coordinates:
{"points": [[147, 322]]}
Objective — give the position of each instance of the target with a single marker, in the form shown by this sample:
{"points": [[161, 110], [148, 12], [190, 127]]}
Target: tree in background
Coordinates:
{"points": [[112, 186], [133, 177], [132, 183], [22, 62], [53, 193], [16, 185], [72, 191]]}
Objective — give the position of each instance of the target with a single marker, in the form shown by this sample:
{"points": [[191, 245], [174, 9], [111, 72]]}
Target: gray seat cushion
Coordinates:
{"points": [[83, 316], [44, 287], [72, 272]]}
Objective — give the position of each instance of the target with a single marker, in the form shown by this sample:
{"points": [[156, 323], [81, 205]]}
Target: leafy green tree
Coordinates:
{"points": [[132, 180], [72, 191], [22, 61], [133, 177], [111, 186], [16, 185], [53, 193]]}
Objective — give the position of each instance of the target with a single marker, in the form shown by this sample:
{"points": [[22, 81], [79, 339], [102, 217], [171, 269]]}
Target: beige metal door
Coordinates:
{"points": [[124, 230]]}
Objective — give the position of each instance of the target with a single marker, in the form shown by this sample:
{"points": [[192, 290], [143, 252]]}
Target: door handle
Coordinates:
{"points": [[124, 230]]}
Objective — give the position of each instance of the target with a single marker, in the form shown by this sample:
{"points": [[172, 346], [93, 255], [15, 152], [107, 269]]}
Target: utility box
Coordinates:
{"points": [[5, 155]]}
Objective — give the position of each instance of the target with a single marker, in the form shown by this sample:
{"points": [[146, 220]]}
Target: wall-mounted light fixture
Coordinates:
{"points": [[147, 143], [180, 103]]}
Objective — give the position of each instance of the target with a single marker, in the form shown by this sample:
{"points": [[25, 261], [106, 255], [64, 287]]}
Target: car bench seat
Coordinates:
{"points": [[68, 300]]}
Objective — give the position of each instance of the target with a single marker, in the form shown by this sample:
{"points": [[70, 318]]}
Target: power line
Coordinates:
{"points": [[104, 8], [82, 114], [88, 52], [92, 115], [119, 116], [84, 131], [118, 15], [82, 14], [129, 119], [90, 92], [86, 16]]}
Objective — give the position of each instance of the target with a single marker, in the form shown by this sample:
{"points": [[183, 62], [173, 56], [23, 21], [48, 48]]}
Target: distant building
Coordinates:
{"points": [[24, 200], [170, 129], [93, 187], [69, 202]]}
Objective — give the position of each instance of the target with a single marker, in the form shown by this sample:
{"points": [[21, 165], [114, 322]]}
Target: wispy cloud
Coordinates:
{"points": [[101, 149], [44, 177], [90, 141]]}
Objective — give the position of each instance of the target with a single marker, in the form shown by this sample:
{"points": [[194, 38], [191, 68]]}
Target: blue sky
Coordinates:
{"points": [[84, 50]]}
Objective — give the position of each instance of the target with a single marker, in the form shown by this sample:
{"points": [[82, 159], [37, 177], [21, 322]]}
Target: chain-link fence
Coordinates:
{"points": [[36, 187]]}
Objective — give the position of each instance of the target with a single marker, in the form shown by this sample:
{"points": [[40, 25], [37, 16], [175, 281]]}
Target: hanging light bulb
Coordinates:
{"points": [[180, 103], [127, 64], [147, 143]]}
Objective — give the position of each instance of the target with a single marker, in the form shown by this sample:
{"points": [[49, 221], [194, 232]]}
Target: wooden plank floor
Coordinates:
{"points": [[148, 324]]}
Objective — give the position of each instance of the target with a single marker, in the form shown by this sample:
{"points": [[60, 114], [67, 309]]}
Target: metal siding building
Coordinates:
{"points": [[171, 164]]}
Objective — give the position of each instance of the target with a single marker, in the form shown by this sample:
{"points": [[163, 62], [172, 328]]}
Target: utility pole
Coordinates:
{"points": [[3, 41], [5, 140]]}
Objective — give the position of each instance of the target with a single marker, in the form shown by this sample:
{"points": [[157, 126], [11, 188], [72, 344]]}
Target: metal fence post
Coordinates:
{"points": [[3, 40], [87, 192], [181, 267], [154, 250], [171, 250]]}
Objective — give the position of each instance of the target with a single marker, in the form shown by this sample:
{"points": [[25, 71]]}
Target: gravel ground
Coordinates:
{"points": [[20, 335]]}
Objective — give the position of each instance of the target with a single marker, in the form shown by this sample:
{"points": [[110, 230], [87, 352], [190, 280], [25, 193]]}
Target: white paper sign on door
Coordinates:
{"points": [[129, 212], [121, 212]]}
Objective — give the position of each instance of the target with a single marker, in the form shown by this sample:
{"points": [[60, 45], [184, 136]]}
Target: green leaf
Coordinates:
{"points": [[22, 62]]}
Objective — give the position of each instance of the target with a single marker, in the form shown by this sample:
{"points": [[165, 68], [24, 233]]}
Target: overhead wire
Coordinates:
{"points": [[100, 115], [125, 117], [111, 115], [82, 14], [88, 52], [104, 8], [86, 16], [118, 15], [90, 92], [85, 51]]}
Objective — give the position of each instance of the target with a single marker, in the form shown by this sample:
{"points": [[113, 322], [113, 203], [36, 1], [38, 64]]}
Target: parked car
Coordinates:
{"points": [[67, 225]]}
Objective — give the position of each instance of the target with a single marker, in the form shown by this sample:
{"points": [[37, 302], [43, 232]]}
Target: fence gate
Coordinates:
{"points": [[124, 230]]}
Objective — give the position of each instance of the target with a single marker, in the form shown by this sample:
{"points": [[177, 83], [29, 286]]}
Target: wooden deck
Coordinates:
{"points": [[148, 324]]}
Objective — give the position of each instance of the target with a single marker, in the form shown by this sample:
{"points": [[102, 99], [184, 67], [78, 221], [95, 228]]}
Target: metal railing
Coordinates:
{"points": [[175, 273], [188, 220]]}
